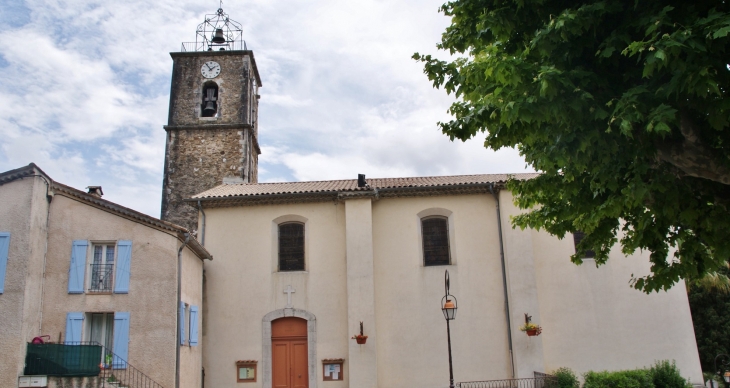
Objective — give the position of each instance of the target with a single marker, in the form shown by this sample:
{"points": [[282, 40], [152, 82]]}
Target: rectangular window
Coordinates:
{"points": [[435, 234], [102, 267], [291, 246], [577, 238]]}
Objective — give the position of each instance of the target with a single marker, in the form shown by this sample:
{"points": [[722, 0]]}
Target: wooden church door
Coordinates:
{"points": [[289, 353]]}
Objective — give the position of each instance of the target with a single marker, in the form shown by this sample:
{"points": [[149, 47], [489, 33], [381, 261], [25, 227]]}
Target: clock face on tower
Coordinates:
{"points": [[210, 69]]}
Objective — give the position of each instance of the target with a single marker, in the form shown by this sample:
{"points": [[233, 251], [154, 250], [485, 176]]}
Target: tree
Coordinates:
{"points": [[711, 319], [621, 105]]}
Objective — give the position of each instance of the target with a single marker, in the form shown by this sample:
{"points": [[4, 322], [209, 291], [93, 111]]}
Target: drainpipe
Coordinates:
{"points": [[504, 279], [202, 230], [49, 198], [179, 300]]}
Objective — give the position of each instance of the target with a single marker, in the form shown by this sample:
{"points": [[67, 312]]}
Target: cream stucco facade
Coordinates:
{"points": [[364, 262], [44, 220]]}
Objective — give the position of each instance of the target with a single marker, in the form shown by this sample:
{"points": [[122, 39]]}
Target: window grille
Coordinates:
{"points": [[577, 238], [291, 247], [435, 232]]}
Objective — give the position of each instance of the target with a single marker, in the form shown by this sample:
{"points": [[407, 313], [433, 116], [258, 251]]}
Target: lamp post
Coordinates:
{"points": [[448, 306], [722, 369]]}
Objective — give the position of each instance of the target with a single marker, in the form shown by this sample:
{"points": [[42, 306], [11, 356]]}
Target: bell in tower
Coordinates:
{"points": [[212, 128]]}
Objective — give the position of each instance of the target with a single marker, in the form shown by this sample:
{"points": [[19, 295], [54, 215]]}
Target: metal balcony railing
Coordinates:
{"points": [[101, 277], [84, 359], [541, 380], [230, 45]]}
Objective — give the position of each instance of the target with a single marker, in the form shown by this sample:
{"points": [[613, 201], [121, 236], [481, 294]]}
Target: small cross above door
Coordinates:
{"points": [[288, 291]]}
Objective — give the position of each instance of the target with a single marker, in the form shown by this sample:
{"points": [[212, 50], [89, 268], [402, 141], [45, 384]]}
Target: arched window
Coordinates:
{"points": [[209, 105], [291, 246], [435, 232]]}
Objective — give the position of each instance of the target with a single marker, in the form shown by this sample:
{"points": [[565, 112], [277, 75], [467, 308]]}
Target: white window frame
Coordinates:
{"points": [[90, 262]]}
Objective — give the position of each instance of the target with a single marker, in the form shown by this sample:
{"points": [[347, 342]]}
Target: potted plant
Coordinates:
{"points": [[531, 329], [360, 338], [112, 380]]}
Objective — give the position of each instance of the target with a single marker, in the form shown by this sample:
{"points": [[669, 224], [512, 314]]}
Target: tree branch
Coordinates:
{"points": [[692, 156]]}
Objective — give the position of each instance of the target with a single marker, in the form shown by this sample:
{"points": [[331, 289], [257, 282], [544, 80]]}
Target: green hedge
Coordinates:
{"points": [[639, 378], [663, 374]]}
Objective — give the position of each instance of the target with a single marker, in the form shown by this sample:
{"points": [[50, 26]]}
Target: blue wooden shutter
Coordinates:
{"points": [[182, 323], [124, 260], [121, 340], [74, 325], [193, 325], [78, 265], [4, 244]]}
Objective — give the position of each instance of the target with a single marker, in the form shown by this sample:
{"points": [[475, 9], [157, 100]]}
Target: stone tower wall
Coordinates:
{"points": [[202, 152]]}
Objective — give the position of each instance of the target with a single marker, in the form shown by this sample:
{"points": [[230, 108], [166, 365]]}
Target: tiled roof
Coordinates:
{"points": [[284, 189], [57, 188]]}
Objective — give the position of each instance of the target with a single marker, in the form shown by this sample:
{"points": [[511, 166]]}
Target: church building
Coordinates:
{"points": [[362, 283], [302, 269]]}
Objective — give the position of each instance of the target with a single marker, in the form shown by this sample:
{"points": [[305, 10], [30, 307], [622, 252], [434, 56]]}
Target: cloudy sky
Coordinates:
{"points": [[84, 89]]}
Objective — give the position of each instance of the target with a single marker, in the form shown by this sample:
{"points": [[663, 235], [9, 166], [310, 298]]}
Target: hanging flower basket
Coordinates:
{"points": [[360, 339], [531, 329]]}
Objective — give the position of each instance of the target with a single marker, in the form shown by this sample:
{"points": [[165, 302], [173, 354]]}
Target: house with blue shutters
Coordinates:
{"points": [[94, 290]]}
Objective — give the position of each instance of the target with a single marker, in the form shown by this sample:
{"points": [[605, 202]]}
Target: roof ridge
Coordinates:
{"points": [[400, 177]]}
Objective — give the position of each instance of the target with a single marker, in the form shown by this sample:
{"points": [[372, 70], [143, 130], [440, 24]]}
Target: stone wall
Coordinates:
{"points": [[202, 152], [197, 160]]}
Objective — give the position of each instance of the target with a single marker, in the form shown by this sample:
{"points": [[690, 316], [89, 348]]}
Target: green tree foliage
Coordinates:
{"points": [[621, 105], [566, 378], [711, 318]]}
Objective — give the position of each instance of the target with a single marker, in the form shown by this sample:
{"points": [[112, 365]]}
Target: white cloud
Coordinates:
{"points": [[84, 88]]}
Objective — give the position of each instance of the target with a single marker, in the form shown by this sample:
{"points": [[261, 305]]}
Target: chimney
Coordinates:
{"points": [[95, 191], [361, 180]]}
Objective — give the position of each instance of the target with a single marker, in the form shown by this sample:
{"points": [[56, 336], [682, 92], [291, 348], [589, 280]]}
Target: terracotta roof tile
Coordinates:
{"points": [[350, 185]]}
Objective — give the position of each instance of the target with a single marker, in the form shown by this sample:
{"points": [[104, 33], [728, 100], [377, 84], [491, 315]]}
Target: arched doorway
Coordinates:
{"points": [[289, 353]]}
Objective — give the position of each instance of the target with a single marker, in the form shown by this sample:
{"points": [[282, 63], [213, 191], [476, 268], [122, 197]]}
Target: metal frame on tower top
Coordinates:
{"points": [[217, 33]]}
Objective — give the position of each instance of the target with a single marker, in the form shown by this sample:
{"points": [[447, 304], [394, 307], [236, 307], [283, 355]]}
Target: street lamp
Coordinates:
{"points": [[722, 369], [448, 306]]}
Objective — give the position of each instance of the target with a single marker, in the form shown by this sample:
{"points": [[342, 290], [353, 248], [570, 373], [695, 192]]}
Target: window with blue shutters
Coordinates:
{"points": [[76, 269], [109, 267], [121, 340], [193, 326], [181, 323], [74, 326], [4, 248], [124, 263]]}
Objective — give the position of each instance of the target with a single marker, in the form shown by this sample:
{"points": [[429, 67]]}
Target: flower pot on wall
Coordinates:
{"points": [[361, 339], [532, 333]]}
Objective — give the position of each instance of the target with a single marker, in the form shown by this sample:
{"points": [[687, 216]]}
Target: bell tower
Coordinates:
{"points": [[212, 127]]}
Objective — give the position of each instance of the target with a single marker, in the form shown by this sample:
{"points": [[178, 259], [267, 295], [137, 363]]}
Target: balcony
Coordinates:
{"points": [[84, 359], [102, 276]]}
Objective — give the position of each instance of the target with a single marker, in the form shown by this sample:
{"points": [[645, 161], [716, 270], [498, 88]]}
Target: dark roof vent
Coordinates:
{"points": [[95, 191], [361, 180]]}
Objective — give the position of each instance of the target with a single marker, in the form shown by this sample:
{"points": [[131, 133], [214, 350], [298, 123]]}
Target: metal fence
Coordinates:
{"points": [[81, 359], [540, 380], [206, 46]]}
